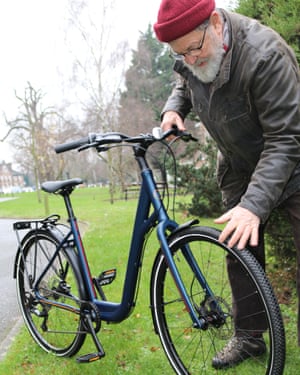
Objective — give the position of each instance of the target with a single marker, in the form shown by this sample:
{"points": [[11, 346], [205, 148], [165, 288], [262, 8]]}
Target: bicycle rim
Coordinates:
{"points": [[54, 329], [191, 350]]}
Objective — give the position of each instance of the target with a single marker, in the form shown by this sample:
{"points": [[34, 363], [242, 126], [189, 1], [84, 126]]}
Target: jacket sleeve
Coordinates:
{"points": [[276, 92], [179, 100]]}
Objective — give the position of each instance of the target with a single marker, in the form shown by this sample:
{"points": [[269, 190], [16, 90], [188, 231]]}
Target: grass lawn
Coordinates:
{"points": [[110, 225]]}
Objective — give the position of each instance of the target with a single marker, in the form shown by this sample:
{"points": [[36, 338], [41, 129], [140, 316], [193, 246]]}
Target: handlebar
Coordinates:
{"points": [[100, 139], [71, 145]]}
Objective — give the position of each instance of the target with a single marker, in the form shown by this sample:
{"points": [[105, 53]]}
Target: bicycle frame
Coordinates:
{"points": [[149, 197]]}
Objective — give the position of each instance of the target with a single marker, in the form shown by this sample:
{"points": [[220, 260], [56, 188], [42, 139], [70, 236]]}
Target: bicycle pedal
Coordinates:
{"points": [[106, 277], [91, 357]]}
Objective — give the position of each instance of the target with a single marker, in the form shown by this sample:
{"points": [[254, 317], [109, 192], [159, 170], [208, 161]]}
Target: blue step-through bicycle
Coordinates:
{"points": [[190, 294]]}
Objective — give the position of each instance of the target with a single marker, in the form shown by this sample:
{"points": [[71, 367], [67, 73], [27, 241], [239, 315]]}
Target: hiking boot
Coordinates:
{"points": [[237, 350]]}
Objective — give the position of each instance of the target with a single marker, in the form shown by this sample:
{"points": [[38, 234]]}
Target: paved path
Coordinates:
{"points": [[9, 311], [6, 199]]}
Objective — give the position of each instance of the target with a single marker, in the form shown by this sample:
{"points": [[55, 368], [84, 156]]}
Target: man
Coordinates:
{"points": [[242, 80]]}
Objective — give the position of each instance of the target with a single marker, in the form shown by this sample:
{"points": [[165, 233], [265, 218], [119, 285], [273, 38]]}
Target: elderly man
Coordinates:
{"points": [[242, 80]]}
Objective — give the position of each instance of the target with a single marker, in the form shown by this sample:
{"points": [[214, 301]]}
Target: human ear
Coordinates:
{"points": [[217, 22]]}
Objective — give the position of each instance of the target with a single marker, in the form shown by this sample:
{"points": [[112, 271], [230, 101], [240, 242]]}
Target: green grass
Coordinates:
{"points": [[131, 347]]}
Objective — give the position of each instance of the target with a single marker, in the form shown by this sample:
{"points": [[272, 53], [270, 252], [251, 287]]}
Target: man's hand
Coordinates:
{"points": [[242, 226], [172, 118]]}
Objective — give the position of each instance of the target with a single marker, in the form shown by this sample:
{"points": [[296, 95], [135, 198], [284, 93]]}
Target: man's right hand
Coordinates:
{"points": [[172, 118]]}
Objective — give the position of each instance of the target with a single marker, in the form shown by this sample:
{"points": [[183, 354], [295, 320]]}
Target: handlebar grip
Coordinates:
{"points": [[72, 145]]}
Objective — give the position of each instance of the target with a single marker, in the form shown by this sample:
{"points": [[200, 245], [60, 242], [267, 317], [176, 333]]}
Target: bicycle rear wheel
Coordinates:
{"points": [[55, 330], [191, 350]]}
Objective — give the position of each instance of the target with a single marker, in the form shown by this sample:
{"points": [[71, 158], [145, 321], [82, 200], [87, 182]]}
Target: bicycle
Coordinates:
{"points": [[190, 295]]}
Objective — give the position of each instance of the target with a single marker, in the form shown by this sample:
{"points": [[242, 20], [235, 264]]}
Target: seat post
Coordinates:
{"points": [[66, 193]]}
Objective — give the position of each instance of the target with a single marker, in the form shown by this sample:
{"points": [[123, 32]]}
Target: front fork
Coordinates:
{"points": [[198, 322]]}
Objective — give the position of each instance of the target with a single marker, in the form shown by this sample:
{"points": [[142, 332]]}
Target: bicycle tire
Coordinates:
{"points": [[54, 329], [191, 350]]}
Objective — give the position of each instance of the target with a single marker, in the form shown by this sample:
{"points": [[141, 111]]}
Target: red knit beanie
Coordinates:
{"points": [[179, 17]]}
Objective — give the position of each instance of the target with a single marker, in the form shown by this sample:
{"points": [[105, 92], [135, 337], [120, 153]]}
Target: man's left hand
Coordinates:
{"points": [[242, 225]]}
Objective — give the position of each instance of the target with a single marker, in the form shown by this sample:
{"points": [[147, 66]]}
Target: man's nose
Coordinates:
{"points": [[190, 59]]}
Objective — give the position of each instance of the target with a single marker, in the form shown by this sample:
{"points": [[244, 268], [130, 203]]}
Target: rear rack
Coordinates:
{"points": [[29, 224]]}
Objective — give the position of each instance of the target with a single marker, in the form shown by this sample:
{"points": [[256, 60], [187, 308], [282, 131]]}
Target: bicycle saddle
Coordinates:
{"points": [[54, 186]]}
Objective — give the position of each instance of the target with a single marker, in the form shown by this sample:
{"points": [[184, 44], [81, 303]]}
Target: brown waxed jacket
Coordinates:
{"points": [[252, 110]]}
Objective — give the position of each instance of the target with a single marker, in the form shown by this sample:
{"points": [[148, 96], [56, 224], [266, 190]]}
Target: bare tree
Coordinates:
{"points": [[98, 71], [32, 135]]}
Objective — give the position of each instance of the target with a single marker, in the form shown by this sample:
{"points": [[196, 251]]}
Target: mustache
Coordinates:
{"points": [[200, 60]]}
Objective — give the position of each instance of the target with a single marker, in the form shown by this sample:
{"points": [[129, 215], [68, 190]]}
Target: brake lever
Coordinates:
{"points": [[102, 148], [186, 137], [85, 147]]}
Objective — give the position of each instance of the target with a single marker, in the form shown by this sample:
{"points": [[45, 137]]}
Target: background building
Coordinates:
{"points": [[10, 180]]}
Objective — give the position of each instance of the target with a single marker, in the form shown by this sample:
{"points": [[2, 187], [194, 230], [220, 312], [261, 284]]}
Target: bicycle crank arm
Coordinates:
{"points": [[91, 357]]}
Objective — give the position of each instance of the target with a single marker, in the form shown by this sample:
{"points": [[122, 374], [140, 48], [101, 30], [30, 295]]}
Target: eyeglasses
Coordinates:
{"points": [[190, 51]]}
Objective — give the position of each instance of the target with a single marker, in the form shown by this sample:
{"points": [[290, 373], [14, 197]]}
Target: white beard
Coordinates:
{"points": [[210, 70]]}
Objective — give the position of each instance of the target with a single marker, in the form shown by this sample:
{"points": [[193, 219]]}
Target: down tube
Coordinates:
{"points": [[116, 312]]}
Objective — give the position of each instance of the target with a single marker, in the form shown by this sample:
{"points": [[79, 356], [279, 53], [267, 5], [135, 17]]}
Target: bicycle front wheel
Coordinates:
{"points": [[192, 350], [55, 329]]}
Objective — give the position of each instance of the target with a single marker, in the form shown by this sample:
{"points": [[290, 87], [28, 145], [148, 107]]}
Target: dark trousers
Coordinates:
{"points": [[245, 307]]}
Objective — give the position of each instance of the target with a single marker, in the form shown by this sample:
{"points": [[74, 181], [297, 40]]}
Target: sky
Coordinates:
{"points": [[32, 39]]}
